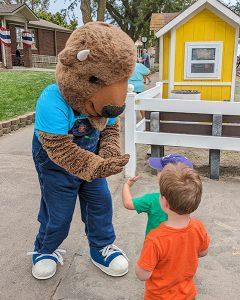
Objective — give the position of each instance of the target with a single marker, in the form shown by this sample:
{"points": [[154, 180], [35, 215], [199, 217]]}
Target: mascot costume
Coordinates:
{"points": [[76, 145]]}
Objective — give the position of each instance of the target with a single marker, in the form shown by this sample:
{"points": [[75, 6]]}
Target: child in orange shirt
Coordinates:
{"points": [[169, 258]]}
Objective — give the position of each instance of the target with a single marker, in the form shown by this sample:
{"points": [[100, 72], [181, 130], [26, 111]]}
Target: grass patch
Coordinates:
{"points": [[19, 91]]}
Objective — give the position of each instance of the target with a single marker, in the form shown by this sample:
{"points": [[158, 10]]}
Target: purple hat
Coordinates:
{"points": [[158, 163]]}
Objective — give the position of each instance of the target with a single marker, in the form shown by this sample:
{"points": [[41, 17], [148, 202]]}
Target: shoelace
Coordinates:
{"points": [[56, 254], [110, 249]]}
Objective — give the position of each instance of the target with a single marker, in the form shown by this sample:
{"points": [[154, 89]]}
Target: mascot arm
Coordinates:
{"points": [[81, 163], [110, 141]]}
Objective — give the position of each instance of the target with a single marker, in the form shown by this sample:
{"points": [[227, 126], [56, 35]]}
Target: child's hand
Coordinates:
{"points": [[126, 193], [130, 182]]}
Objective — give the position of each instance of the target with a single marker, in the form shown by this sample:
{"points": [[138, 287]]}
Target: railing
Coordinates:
{"points": [[226, 137]]}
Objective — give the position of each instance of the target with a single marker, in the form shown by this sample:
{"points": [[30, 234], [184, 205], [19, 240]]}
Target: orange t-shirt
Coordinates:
{"points": [[172, 256]]}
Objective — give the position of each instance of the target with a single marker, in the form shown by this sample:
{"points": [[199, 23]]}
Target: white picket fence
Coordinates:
{"points": [[151, 100]]}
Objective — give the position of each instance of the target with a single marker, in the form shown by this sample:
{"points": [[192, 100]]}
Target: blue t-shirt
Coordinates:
{"points": [[54, 115], [137, 79]]}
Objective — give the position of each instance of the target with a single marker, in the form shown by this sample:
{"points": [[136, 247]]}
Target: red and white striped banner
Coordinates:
{"points": [[5, 36], [27, 38]]}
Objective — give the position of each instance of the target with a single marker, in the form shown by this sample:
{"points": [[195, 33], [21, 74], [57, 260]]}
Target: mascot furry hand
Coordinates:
{"points": [[92, 76]]}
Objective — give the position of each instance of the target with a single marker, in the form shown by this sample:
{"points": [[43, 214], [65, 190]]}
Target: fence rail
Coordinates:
{"points": [[184, 123]]}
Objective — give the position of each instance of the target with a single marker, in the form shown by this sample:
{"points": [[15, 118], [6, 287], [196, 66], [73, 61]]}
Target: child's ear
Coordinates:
{"points": [[167, 204], [164, 202]]}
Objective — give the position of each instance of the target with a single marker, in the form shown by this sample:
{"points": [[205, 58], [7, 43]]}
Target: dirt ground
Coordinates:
{"points": [[230, 161]]}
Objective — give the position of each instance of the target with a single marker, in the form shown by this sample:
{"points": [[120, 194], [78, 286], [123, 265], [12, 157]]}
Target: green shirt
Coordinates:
{"points": [[150, 204]]}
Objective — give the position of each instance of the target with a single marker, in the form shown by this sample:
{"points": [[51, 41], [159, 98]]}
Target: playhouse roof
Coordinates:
{"points": [[159, 20], [214, 5]]}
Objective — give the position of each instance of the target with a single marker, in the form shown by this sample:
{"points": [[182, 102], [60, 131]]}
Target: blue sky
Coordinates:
{"points": [[57, 5]]}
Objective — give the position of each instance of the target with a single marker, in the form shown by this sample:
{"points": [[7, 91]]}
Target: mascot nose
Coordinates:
{"points": [[111, 111]]}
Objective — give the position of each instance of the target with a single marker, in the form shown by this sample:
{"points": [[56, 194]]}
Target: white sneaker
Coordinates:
{"points": [[111, 260], [45, 265]]}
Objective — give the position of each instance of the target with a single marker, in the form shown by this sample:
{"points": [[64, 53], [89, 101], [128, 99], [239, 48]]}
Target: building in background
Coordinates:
{"points": [[198, 49], [48, 39]]}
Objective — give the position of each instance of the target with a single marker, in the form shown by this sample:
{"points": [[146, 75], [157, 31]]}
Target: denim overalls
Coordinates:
{"points": [[59, 191]]}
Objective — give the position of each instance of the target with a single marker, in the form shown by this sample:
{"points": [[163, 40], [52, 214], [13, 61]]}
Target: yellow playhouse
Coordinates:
{"points": [[198, 50]]}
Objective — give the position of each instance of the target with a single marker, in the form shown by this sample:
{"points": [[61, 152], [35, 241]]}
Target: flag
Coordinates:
{"points": [[5, 36], [27, 38]]}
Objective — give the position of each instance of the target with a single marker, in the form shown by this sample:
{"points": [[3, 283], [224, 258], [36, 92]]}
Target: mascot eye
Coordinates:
{"points": [[95, 80]]}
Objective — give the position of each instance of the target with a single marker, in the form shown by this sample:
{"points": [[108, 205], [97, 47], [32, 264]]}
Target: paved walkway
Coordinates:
{"points": [[218, 276], [29, 69]]}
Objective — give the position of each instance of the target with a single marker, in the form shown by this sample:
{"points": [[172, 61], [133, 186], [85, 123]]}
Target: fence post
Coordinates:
{"points": [[156, 151], [130, 129], [214, 154], [160, 85]]}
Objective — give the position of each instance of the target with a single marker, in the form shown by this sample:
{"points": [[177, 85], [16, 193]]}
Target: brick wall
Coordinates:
{"points": [[62, 38], [46, 42]]}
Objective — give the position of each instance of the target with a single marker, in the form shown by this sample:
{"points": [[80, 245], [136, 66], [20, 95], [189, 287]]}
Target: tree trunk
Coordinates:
{"points": [[101, 10], [86, 11]]}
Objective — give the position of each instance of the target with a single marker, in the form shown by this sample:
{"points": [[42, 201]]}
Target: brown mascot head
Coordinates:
{"points": [[93, 71]]}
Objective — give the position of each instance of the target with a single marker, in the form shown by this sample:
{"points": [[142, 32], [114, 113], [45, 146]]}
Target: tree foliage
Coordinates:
{"points": [[236, 7], [40, 7], [35, 5], [133, 16], [58, 18]]}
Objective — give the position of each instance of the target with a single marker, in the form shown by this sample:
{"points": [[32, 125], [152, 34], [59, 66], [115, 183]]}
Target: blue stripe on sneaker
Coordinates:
{"points": [[97, 256], [111, 257], [39, 257]]}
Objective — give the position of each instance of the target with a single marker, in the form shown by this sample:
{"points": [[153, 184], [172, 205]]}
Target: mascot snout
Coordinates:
{"points": [[111, 111], [109, 101]]}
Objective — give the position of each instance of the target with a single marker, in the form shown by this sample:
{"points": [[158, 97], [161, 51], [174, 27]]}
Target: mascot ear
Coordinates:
{"points": [[83, 55], [67, 57]]}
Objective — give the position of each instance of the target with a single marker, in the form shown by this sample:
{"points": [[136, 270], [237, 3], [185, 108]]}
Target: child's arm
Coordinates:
{"points": [[149, 258], [126, 193], [142, 274], [205, 243]]}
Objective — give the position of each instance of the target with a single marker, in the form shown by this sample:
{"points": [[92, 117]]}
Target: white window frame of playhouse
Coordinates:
{"points": [[217, 62]]}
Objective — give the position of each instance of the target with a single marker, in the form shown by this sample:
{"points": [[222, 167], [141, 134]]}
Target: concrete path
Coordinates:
{"points": [[218, 275], [30, 69]]}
